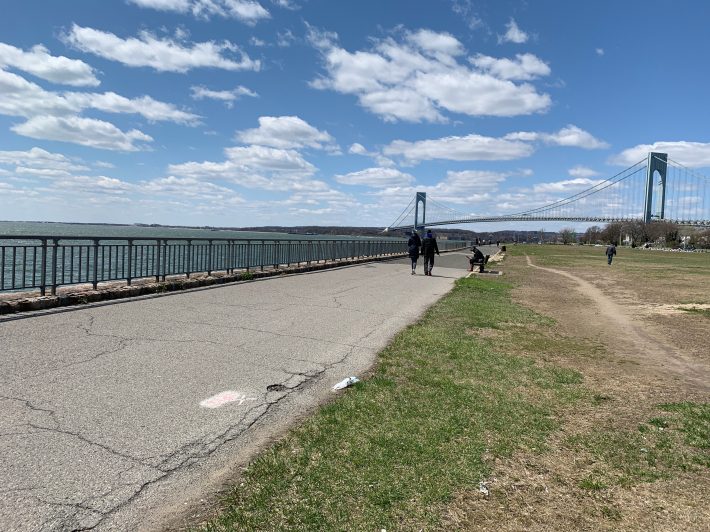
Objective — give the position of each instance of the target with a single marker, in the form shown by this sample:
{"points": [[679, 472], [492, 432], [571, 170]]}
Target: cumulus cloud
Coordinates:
{"points": [[252, 167], [163, 55], [567, 186], [226, 96], [582, 171], [469, 148], [57, 69], [39, 159], [85, 131], [418, 77], [570, 136], [376, 177], [513, 34], [187, 187], [248, 11], [24, 98], [523, 67], [687, 153], [286, 132]]}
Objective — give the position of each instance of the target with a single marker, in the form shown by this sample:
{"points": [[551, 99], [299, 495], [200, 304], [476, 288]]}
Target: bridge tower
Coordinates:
{"points": [[657, 162], [421, 198]]}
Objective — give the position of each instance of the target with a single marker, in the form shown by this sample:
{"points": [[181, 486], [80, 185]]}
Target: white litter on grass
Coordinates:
{"points": [[227, 396], [483, 488], [345, 383]]}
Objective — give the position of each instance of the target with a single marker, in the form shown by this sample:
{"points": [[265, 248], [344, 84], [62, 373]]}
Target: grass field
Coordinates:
{"points": [[486, 394]]}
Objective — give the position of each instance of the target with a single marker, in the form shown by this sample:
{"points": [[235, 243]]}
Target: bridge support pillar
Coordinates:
{"points": [[421, 198], [657, 162]]}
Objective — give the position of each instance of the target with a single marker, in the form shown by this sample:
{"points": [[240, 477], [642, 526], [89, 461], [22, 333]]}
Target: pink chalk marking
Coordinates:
{"points": [[227, 396]]}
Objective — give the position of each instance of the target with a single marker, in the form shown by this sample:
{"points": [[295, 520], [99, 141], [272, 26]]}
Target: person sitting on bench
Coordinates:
{"points": [[477, 259]]}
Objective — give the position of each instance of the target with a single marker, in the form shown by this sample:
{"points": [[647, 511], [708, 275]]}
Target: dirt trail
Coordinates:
{"points": [[637, 342]]}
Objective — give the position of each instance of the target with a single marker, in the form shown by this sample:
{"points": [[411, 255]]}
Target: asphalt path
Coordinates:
{"points": [[121, 416]]}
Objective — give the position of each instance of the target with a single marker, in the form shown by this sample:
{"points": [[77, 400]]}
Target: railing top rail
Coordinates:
{"points": [[194, 239]]}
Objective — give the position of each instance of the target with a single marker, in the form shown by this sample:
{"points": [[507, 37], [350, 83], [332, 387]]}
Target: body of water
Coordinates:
{"points": [[64, 230]]}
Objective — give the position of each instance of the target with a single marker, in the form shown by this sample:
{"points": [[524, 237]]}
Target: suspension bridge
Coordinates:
{"points": [[656, 188]]}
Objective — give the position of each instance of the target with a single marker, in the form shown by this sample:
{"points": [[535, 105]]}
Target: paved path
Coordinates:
{"points": [[106, 420]]}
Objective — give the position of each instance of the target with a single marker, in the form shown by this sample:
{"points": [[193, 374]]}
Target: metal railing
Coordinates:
{"points": [[32, 262]]}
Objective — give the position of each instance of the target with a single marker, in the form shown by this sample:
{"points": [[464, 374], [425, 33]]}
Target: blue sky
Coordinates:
{"points": [[292, 112]]}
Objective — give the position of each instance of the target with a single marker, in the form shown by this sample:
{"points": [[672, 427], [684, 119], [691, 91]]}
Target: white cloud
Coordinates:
{"points": [[582, 171], [24, 98], [57, 69], [468, 148], [248, 11], [687, 153], [381, 160], [376, 177], [599, 51], [226, 96], [188, 187], [570, 136], [286, 132], [41, 160], [252, 167], [163, 55], [285, 38], [286, 4], [524, 67], [151, 109], [418, 77], [513, 34], [85, 131], [93, 185], [568, 186]]}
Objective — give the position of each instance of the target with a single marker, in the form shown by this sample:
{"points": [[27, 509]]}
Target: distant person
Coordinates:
{"points": [[497, 243], [476, 259], [610, 252], [429, 247], [413, 245]]}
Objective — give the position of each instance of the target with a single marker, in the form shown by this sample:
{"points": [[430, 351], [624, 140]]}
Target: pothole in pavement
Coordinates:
{"points": [[276, 388]]}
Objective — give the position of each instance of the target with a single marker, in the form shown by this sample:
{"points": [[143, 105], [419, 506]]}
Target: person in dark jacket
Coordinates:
{"points": [[429, 247], [413, 245], [476, 259], [610, 252]]}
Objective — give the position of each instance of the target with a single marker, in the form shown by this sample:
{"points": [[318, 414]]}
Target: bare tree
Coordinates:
{"points": [[568, 235], [592, 235], [612, 233]]}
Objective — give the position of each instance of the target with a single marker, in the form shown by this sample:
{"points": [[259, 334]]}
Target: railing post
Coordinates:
{"points": [[43, 275], [248, 254], [209, 258], [188, 259], [55, 244], [277, 248], [129, 273], [261, 260], [309, 248], [95, 277], [156, 267]]}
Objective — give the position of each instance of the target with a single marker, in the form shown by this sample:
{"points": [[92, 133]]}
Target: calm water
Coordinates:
{"points": [[52, 229]]}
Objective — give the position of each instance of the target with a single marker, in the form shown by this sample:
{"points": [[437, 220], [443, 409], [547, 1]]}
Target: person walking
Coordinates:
{"points": [[413, 245], [610, 252], [429, 247]]}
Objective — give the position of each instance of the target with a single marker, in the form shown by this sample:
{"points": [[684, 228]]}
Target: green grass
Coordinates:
{"points": [[701, 311], [662, 447], [392, 449], [472, 382]]}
